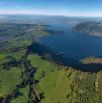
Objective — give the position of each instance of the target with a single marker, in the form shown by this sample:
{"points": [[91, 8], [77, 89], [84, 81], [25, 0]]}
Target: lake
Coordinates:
{"points": [[72, 44]]}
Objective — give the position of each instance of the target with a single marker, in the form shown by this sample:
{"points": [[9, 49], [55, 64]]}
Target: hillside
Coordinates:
{"points": [[30, 77], [32, 73], [89, 28]]}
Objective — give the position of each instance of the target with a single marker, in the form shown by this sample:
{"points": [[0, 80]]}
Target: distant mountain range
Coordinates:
{"points": [[90, 28]]}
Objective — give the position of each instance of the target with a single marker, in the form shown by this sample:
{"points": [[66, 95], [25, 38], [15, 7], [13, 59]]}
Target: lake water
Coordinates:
{"points": [[72, 44]]}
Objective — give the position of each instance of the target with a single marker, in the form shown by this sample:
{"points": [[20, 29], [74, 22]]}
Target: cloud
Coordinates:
{"points": [[86, 14], [50, 12], [33, 11]]}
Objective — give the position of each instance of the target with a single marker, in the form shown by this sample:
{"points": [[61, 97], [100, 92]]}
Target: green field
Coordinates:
{"points": [[8, 80], [23, 97], [54, 81], [26, 76]]}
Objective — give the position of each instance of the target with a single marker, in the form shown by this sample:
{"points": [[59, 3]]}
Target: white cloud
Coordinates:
{"points": [[51, 12], [33, 11], [87, 14]]}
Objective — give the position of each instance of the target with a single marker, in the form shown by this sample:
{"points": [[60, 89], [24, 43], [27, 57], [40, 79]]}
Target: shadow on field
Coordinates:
{"points": [[58, 58]]}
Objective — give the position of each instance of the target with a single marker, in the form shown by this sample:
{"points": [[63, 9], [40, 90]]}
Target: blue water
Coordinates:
{"points": [[72, 44]]}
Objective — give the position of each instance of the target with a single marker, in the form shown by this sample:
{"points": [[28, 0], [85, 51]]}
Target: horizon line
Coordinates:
{"points": [[52, 15], [49, 13]]}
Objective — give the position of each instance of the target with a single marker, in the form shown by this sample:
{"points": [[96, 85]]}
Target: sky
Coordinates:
{"points": [[88, 8]]}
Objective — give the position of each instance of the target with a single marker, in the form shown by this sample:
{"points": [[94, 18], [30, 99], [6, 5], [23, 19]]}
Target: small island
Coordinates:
{"points": [[89, 28]]}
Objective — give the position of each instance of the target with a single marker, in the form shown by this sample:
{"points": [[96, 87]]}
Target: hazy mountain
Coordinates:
{"points": [[90, 28]]}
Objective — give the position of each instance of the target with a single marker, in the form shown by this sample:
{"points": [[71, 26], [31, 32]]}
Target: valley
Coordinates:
{"points": [[35, 70]]}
